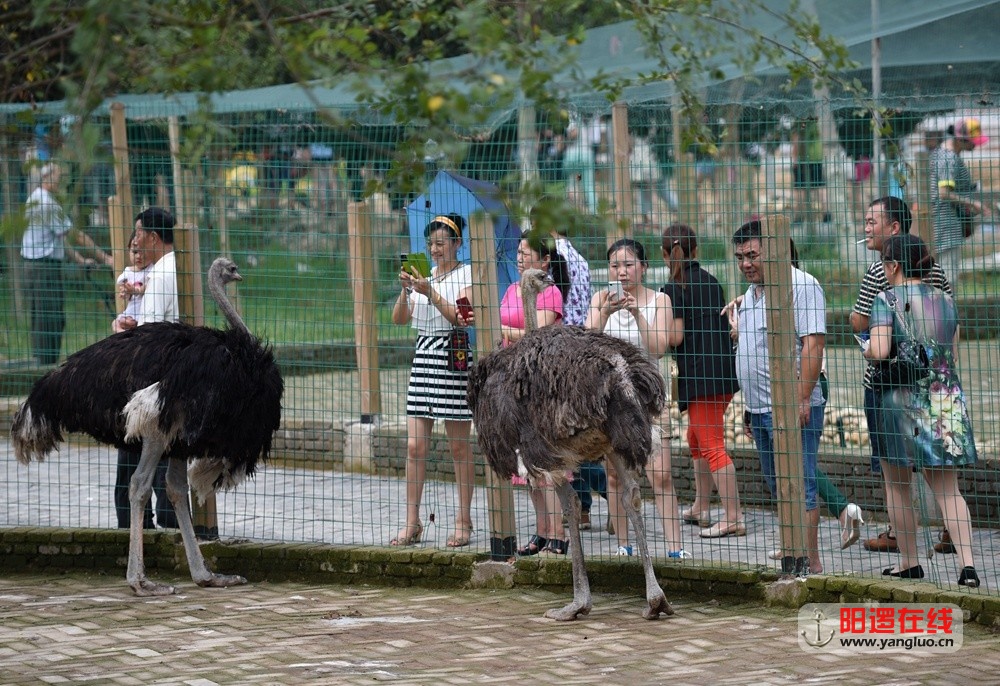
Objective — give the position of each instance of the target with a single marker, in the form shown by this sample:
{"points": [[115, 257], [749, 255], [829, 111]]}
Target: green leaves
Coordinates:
{"points": [[447, 71]]}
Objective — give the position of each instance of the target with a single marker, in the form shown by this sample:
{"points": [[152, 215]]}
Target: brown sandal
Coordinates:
{"points": [[412, 538], [457, 541]]}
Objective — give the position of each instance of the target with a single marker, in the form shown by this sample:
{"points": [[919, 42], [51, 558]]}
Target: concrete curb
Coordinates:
{"points": [[26, 549]]}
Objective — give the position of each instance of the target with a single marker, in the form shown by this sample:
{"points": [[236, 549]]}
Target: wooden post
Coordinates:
{"points": [[486, 300], [191, 302], [363, 284], [920, 201], [119, 233], [781, 344], [120, 226], [685, 174], [174, 135], [527, 145], [729, 177], [621, 179], [187, 245], [11, 210], [221, 216]]}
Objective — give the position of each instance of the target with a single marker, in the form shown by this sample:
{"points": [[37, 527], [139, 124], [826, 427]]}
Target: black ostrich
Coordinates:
{"points": [[560, 396], [192, 394]]}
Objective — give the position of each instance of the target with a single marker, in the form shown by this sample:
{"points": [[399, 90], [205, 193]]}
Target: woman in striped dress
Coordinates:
{"points": [[434, 392]]}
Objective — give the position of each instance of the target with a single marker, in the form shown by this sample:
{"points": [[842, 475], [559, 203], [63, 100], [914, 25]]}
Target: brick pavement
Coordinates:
{"points": [[90, 629]]}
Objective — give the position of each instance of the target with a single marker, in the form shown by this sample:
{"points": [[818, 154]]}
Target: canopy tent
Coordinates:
{"points": [[948, 44], [450, 192], [946, 47]]}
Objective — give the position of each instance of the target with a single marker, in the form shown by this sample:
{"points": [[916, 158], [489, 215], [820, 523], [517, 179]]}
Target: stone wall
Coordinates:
{"points": [[848, 467]]}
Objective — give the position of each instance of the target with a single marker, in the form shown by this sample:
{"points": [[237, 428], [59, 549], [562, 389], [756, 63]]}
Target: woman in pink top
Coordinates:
{"points": [[538, 251]]}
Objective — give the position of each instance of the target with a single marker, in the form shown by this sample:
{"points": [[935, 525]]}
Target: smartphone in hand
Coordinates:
{"points": [[616, 290], [464, 307], [418, 261]]}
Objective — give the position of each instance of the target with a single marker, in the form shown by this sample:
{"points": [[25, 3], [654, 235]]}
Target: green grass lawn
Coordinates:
{"points": [[295, 298]]}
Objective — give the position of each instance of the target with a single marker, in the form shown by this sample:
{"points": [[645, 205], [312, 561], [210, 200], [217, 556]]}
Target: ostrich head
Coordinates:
{"points": [[533, 282], [224, 271]]}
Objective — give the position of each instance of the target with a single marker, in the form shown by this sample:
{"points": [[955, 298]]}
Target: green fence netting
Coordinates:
{"points": [[275, 191]]}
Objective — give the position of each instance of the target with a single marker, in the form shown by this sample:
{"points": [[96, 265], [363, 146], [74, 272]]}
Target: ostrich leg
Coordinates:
{"points": [[177, 490], [581, 584], [655, 597], [140, 489]]}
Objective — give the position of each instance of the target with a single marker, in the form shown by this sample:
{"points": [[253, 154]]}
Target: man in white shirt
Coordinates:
{"points": [[44, 251], [154, 234], [754, 374]]}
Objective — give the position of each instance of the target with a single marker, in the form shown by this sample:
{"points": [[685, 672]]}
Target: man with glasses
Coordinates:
{"points": [[886, 217], [754, 373]]}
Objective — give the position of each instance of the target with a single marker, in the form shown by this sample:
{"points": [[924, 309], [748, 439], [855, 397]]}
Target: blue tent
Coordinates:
{"points": [[450, 192]]}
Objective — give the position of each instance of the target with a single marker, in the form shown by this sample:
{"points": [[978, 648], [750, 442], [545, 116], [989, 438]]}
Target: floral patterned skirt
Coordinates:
{"points": [[928, 425]]}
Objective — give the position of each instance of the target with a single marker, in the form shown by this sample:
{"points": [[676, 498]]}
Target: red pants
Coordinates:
{"points": [[705, 435]]}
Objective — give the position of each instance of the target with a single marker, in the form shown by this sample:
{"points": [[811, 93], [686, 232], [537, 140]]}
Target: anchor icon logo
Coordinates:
{"points": [[820, 641]]}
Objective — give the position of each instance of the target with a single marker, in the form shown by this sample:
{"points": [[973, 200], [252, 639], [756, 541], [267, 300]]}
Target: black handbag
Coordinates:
{"points": [[908, 361], [966, 218], [900, 373]]}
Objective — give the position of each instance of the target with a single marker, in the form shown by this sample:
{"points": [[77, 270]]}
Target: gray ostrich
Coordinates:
{"points": [[560, 396], [191, 394]]}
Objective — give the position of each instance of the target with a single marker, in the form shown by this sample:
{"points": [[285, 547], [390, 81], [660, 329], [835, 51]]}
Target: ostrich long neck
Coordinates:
{"points": [[530, 304], [218, 291]]}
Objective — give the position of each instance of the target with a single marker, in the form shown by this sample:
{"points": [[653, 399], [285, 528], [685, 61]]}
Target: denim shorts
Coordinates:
{"points": [[763, 436], [875, 437]]}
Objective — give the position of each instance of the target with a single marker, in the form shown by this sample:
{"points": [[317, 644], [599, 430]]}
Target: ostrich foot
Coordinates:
{"points": [[221, 581], [657, 604], [145, 587], [568, 613]]}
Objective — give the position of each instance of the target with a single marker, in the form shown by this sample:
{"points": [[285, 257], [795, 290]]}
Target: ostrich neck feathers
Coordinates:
{"points": [[218, 290], [533, 282], [529, 302]]}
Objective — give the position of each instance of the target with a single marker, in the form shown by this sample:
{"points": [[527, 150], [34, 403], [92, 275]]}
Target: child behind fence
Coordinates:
{"points": [[131, 284]]}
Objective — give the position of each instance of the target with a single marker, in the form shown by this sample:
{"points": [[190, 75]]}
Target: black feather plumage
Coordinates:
{"points": [[207, 399], [219, 394], [221, 388]]}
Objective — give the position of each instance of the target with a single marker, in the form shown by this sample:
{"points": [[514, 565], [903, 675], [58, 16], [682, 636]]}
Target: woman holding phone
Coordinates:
{"points": [[434, 392], [538, 251], [643, 317]]}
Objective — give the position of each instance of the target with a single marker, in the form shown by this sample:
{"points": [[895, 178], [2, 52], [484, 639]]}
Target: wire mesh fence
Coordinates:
{"points": [[317, 217]]}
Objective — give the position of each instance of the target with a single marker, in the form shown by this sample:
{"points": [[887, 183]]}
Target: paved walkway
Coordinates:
{"points": [[74, 489], [76, 629]]}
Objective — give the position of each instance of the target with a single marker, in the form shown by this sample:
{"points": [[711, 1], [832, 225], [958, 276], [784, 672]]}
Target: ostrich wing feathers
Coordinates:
{"points": [[219, 392], [556, 385]]}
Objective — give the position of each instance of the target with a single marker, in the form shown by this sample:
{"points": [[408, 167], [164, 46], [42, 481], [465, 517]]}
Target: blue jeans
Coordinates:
{"points": [[872, 401], [590, 477], [763, 435]]}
